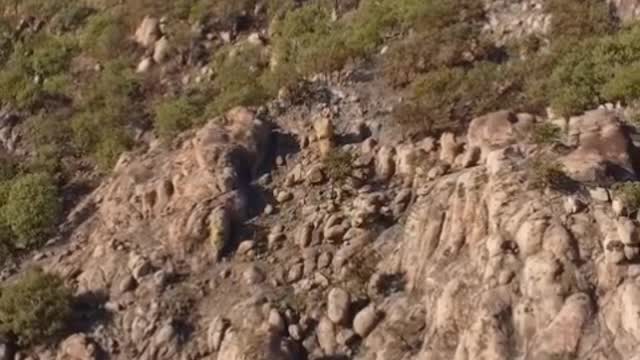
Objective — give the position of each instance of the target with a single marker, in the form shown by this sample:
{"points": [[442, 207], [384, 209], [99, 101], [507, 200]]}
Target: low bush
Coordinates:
{"points": [[106, 36], [546, 133], [629, 194], [238, 79], [35, 309], [545, 172], [579, 19], [338, 165], [33, 209], [176, 115]]}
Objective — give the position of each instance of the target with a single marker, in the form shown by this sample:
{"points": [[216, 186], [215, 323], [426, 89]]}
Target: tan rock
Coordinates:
{"points": [[148, 31], [77, 347], [161, 50], [338, 304]]}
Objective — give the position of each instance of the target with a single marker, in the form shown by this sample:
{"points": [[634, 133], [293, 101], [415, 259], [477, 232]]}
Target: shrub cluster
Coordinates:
{"points": [[338, 164], [629, 194], [35, 309]]}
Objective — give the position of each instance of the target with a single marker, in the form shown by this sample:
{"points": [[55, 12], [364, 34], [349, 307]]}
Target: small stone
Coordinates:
{"points": [[315, 175], [599, 194], [338, 305], [253, 275], [144, 65], [225, 36], [326, 334], [275, 238], [276, 322], [255, 39], [618, 207], [246, 246], [631, 252], [335, 233], [471, 157], [305, 235], [161, 50], [366, 320], [627, 231], [295, 332], [216, 332], [324, 260], [615, 252], [284, 196], [572, 205], [127, 284], [268, 210], [295, 273], [346, 337]]}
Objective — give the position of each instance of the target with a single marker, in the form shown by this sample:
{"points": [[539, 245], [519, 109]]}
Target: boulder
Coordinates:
{"points": [[366, 320], [161, 50], [338, 305], [492, 132], [604, 152], [148, 32], [77, 347]]}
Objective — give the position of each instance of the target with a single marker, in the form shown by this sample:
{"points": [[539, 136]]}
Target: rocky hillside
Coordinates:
{"points": [[291, 180]]}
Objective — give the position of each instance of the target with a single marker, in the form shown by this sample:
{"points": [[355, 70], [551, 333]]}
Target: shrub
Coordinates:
{"points": [[106, 36], [307, 39], [625, 84], [548, 173], [338, 164], [238, 80], [33, 208], [110, 147], [36, 308], [579, 19], [546, 133], [71, 17], [447, 34], [629, 194], [51, 56], [448, 98], [176, 115]]}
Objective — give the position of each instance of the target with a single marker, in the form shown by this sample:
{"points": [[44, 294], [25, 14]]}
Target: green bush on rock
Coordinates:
{"points": [[35, 309], [32, 209]]}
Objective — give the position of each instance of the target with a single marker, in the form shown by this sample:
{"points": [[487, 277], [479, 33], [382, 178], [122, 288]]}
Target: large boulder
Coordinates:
{"points": [[497, 130], [604, 152]]}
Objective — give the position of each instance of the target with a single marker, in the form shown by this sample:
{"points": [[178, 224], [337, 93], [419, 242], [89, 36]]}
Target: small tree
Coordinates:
{"points": [[35, 309], [33, 208]]}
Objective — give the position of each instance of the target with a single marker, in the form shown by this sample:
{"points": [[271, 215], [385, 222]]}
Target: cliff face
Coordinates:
{"points": [[438, 249], [313, 227]]}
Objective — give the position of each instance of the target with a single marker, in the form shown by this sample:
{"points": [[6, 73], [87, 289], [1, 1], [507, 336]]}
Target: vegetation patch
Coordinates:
{"points": [[35, 309], [629, 194]]}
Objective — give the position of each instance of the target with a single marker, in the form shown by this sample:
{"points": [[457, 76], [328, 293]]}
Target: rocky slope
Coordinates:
{"points": [[311, 228]]}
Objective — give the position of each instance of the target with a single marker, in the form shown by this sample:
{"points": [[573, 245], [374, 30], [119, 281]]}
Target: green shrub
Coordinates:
{"points": [[545, 172], [625, 84], [110, 147], [106, 36], [237, 81], [36, 308], [546, 133], [308, 40], [447, 35], [176, 115], [33, 208], [629, 194], [448, 98], [71, 17], [51, 56], [579, 19], [338, 164]]}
